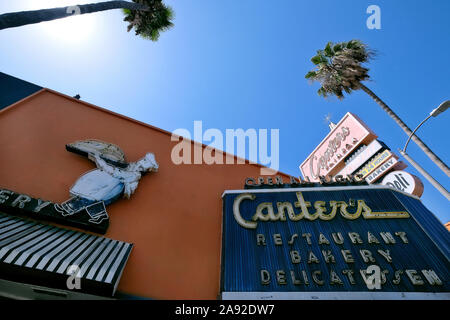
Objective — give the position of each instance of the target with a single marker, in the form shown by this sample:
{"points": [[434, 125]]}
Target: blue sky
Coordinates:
{"points": [[241, 64]]}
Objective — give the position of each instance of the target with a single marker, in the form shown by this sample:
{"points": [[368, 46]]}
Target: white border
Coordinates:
{"points": [[271, 190], [343, 295]]}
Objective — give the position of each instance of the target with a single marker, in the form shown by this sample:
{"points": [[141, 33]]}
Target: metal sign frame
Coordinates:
{"points": [[427, 224]]}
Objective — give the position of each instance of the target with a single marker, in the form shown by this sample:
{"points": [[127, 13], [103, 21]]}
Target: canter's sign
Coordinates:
{"points": [[330, 240], [329, 156]]}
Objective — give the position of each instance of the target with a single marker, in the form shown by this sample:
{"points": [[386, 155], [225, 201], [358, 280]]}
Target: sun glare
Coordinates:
{"points": [[72, 30]]}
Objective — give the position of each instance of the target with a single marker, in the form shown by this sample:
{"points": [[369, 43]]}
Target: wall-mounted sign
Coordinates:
{"points": [[404, 181], [323, 241], [24, 205], [328, 157], [112, 179]]}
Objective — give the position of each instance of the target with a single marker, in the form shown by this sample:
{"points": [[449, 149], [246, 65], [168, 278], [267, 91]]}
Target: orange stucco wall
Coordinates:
{"points": [[173, 219]]}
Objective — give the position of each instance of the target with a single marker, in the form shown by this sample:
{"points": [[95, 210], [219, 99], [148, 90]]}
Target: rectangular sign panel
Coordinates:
{"points": [[329, 156], [375, 163], [24, 205], [381, 170], [360, 239], [364, 156]]}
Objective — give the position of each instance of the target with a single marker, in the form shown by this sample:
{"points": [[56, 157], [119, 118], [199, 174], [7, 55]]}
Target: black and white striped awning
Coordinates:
{"points": [[41, 254]]}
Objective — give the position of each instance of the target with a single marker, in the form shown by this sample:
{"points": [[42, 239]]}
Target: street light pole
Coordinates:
{"points": [[430, 179], [442, 107]]}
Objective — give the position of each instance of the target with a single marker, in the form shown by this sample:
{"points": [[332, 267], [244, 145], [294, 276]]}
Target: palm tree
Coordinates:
{"points": [[338, 70], [147, 17]]}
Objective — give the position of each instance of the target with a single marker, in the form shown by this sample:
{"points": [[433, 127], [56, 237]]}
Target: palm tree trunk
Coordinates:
{"points": [[17, 19], [408, 131]]}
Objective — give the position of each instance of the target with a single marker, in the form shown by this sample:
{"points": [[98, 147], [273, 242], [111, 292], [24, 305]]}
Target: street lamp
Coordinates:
{"points": [[442, 107]]}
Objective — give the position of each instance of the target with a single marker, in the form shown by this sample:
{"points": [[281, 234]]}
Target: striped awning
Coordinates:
{"points": [[41, 254]]}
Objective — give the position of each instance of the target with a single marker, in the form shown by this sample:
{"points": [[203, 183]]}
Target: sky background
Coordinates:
{"points": [[241, 64]]}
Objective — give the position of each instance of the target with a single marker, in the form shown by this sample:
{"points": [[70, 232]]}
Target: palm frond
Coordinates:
{"points": [[329, 52], [338, 67], [311, 75], [151, 22]]}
